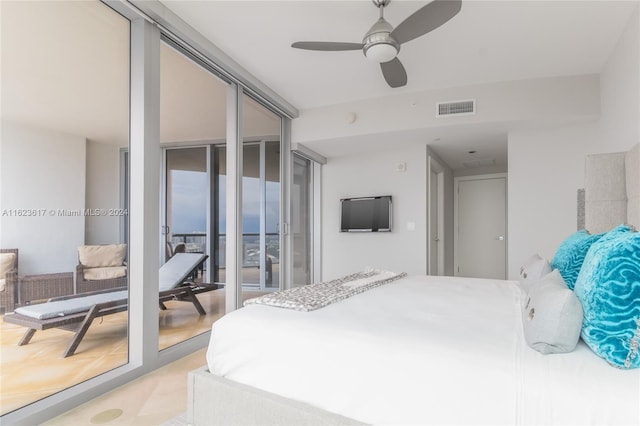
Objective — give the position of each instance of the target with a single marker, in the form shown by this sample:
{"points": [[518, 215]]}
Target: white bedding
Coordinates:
{"points": [[421, 350]]}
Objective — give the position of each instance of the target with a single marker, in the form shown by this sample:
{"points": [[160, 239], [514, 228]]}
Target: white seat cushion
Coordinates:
{"points": [[173, 273], [61, 308], [105, 273]]}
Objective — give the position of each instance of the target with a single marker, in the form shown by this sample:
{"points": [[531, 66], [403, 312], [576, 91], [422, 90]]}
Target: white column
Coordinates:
{"points": [[234, 199], [144, 186]]}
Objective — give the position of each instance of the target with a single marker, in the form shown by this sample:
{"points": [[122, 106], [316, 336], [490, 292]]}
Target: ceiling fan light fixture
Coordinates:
{"points": [[381, 52], [382, 42]]}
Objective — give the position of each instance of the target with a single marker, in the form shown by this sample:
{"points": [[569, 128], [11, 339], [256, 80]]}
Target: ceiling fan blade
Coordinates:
{"points": [[327, 45], [394, 73], [426, 19]]}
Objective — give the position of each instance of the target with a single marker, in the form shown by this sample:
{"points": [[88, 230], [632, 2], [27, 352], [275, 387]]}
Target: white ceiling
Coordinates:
{"points": [[488, 41], [65, 64]]}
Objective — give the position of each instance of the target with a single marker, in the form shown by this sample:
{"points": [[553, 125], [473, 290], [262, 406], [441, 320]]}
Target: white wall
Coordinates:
{"points": [[371, 174], [620, 90], [42, 169], [554, 100], [102, 192], [546, 167], [554, 123], [525, 101]]}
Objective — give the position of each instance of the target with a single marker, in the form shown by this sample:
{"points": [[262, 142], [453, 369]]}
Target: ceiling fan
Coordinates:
{"points": [[382, 42]]}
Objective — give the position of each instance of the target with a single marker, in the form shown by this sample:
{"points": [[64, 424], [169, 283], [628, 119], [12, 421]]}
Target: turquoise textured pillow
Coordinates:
{"points": [[570, 255], [608, 288]]}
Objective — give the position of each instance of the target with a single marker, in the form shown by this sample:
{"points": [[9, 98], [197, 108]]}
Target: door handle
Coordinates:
{"points": [[500, 238]]}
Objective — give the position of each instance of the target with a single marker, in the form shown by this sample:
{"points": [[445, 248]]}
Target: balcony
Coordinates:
{"points": [[197, 243]]}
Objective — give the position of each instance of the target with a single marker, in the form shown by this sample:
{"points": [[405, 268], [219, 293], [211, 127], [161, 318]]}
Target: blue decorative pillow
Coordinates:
{"points": [[570, 255], [608, 288]]}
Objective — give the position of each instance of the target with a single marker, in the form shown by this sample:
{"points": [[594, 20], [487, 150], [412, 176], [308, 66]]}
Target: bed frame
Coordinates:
{"points": [[214, 400]]}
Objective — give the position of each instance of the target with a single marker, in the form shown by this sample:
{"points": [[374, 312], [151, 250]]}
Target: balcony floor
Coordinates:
{"points": [[34, 371]]}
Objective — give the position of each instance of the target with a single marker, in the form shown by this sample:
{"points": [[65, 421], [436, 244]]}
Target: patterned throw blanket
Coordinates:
{"points": [[316, 296]]}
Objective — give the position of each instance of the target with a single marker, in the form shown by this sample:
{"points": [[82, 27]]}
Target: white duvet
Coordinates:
{"points": [[421, 350]]}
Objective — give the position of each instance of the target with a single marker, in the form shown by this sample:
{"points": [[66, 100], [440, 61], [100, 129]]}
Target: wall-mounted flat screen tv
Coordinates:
{"points": [[366, 214]]}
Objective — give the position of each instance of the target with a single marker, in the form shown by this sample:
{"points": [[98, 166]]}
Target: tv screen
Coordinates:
{"points": [[366, 214]]}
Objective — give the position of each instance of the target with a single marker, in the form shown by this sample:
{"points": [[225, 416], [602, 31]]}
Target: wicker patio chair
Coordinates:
{"points": [[44, 286], [86, 284], [9, 297]]}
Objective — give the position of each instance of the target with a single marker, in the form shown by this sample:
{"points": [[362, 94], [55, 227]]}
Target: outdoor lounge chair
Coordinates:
{"points": [[77, 312]]}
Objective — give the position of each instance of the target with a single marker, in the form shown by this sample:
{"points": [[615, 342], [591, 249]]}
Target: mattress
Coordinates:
{"points": [[421, 350]]}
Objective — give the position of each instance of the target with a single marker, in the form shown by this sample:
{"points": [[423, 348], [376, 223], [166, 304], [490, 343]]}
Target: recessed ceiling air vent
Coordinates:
{"points": [[456, 108], [474, 164]]}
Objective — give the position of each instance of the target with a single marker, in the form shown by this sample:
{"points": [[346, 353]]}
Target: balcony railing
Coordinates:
{"points": [[196, 243]]}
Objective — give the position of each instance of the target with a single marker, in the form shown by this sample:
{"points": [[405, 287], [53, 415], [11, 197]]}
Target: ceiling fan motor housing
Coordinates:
{"points": [[381, 3], [379, 45]]}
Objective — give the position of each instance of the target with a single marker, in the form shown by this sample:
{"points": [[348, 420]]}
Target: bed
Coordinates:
{"points": [[445, 351]]}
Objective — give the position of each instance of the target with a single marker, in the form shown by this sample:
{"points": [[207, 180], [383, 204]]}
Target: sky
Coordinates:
{"points": [[189, 203]]}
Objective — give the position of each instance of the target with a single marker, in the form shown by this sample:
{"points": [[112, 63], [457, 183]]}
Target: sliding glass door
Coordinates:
{"points": [[124, 89], [261, 216], [187, 183], [301, 220], [65, 118], [193, 118]]}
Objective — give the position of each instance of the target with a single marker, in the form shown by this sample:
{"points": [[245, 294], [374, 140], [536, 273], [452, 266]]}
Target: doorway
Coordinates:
{"points": [[480, 215], [261, 215], [435, 218]]}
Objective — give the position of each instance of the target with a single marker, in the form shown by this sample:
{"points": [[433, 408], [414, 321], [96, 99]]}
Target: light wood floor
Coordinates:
{"points": [[34, 371], [150, 400]]}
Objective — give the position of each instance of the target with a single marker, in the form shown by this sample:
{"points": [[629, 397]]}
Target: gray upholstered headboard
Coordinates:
{"points": [[612, 190]]}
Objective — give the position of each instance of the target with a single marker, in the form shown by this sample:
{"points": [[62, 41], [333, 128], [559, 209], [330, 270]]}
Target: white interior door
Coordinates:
{"points": [[481, 228]]}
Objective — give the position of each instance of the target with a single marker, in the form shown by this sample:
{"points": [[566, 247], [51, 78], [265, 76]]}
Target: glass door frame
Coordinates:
{"points": [[165, 230], [262, 285], [316, 162]]}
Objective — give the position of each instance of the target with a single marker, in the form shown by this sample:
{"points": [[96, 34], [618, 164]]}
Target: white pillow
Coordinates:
{"points": [[552, 316], [6, 263], [533, 270], [102, 256]]}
